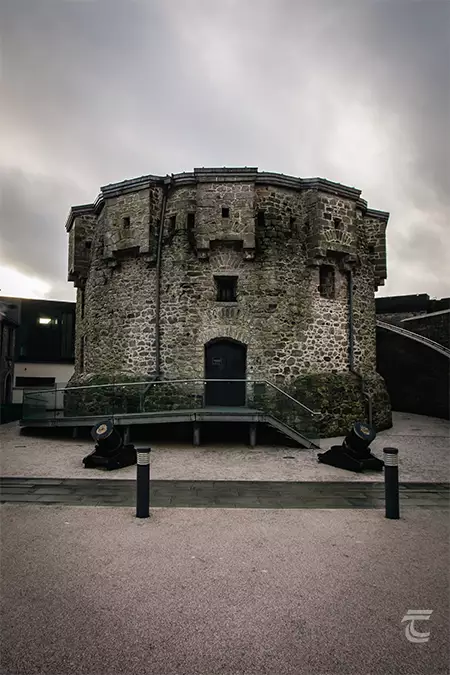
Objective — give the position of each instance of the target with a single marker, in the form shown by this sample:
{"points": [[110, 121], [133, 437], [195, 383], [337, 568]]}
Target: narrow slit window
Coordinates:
{"points": [[292, 222], [337, 223], [225, 212], [191, 221], [261, 219], [327, 281], [82, 354], [226, 289], [82, 302], [126, 222]]}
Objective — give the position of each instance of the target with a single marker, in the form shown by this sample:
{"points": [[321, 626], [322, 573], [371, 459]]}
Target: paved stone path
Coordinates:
{"points": [[225, 494]]}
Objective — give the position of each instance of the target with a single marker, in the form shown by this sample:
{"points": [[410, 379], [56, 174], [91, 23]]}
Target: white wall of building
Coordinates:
{"points": [[60, 371]]}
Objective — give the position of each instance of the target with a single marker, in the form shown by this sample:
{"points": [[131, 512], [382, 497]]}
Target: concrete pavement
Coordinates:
{"points": [[303, 576], [94, 591], [423, 443]]}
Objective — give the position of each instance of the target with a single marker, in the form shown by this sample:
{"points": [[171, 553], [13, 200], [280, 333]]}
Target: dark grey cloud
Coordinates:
{"points": [[99, 91], [33, 239]]}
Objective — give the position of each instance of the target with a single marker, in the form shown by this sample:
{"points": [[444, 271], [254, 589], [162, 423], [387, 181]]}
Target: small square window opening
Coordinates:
{"points": [[226, 289]]}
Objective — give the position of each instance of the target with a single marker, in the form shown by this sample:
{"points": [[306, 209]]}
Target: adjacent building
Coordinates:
{"points": [[398, 308], [8, 325], [410, 357], [43, 354]]}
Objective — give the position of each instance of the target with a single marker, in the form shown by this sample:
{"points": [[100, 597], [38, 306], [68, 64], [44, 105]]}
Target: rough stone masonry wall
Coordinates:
{"points": [[293, 334], [211, 226], [118, 327], [372, 241], [289, 329], [80, 242]]}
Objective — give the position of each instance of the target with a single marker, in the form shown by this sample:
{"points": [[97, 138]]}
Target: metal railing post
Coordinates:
{"points": [[391, 489], [143, 483]]}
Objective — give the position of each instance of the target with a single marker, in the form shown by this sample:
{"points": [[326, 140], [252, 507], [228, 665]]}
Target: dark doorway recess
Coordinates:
{"points": [[225, 360]]}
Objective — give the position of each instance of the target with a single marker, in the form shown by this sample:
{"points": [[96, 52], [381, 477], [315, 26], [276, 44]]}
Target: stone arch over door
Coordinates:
{"points": [[226, 365]]}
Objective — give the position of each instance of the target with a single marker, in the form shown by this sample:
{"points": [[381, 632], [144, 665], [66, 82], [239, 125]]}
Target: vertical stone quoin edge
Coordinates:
{"points": [[294, 246]]}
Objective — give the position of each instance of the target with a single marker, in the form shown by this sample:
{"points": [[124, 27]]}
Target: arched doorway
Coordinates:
{"points": [[225, 360]]}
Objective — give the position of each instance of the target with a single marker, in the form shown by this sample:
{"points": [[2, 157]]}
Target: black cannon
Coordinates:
{"points": [[354, 453], [110, 451]]}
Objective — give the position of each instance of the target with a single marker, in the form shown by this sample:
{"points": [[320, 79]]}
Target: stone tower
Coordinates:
{"points": [[271, 274]]}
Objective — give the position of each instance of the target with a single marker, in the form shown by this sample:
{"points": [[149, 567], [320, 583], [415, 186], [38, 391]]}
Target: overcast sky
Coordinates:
{"points": [[99, 91]]}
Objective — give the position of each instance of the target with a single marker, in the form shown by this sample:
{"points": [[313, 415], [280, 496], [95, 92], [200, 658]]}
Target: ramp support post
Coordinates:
{"points": [[252, 434], [196, 434]]}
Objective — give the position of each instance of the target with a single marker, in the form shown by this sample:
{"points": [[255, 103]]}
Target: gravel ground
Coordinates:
{"points": [[423, 442], [94, 591]]}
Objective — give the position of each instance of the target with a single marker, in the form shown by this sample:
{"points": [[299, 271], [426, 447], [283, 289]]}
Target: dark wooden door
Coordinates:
{"points": [[225, 360]]}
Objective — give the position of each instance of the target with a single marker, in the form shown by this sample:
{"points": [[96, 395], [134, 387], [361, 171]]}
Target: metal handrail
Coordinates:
{"points": [[313, 412], [415, 336], [180, 381]]}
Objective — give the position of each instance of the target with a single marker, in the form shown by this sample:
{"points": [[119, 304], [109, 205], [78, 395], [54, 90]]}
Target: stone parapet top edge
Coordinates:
{"points": [[381, 215], [199, 175]]}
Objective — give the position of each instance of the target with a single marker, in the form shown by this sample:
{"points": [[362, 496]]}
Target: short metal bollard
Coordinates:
{"points": [[391, 491], [143, 483]]}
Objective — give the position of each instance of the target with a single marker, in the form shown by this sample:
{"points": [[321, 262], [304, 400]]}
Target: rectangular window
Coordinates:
{"points": [[190, 221], [225, 212], [126, 222], [35, 381], [226, 289], [327, 281], [172, 225], [88, 245], [261, 219], [129, 252]]}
